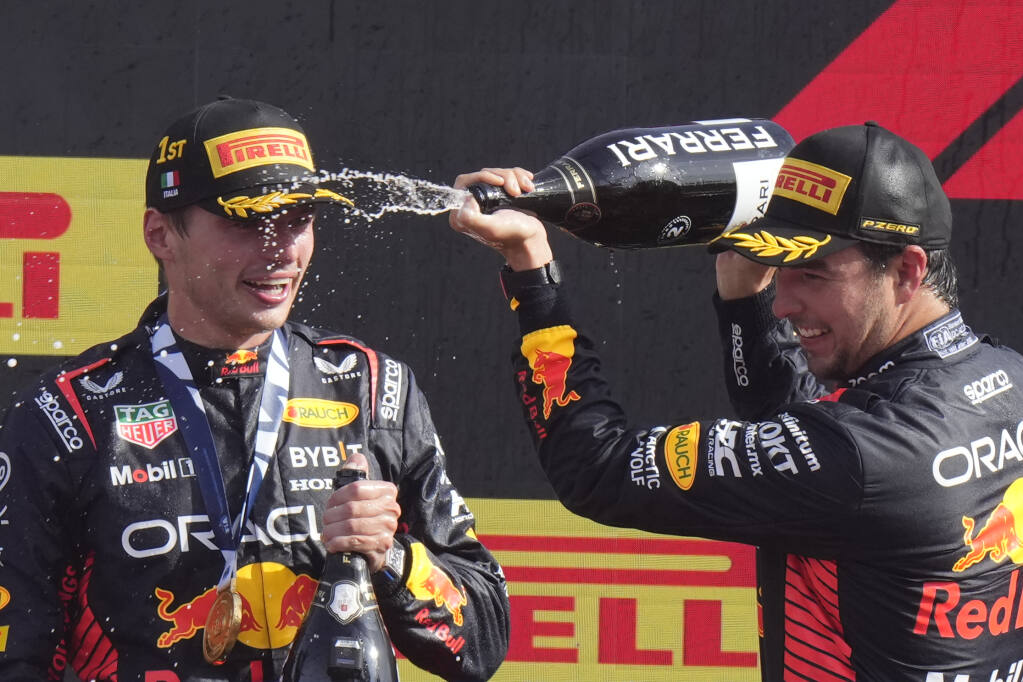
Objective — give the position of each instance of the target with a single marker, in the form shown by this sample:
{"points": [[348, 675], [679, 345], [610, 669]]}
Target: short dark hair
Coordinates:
{"points": [[941, 275], [176, 218]]}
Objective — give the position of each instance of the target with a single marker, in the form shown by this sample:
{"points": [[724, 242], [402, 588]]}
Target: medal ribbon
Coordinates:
{"points": [[184, 397]]}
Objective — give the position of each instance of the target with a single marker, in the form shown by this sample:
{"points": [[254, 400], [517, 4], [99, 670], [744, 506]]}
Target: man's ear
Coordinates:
{"points": [[158, 233], [910, 268]]}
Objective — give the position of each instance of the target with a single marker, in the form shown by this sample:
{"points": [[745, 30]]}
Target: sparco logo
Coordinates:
{"points": [[47, 402], [987, 387], [166, 470], [392, 390], [738, 361]]}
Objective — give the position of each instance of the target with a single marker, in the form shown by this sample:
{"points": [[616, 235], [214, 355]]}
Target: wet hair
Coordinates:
{"points": [[176, 218], [941, 276]]}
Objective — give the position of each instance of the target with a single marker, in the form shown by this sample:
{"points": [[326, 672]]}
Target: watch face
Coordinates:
{"points": [[394, 563], [553, 272]]}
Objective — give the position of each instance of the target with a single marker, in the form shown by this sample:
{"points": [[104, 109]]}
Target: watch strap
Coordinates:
{"points": [[514, 281]]}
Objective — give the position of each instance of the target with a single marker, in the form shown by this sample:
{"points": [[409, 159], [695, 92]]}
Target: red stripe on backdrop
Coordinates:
{"points": [[926, 70], [994, 172], [41, 285]]}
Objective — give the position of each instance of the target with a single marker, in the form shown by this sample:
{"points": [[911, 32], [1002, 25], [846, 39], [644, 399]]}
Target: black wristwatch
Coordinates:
{"points": [[393, 569], [513, 282]]}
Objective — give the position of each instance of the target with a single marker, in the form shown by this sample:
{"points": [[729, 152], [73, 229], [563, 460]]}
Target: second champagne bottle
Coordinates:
{"points": [[651, 187], [343, 636]]}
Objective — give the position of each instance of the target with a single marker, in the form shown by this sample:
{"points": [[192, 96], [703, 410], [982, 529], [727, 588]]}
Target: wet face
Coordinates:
{"points": [[842, 308], [232, 283]]}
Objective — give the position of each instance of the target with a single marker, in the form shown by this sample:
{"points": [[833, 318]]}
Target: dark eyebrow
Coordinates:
{"points": [[817, 265]]}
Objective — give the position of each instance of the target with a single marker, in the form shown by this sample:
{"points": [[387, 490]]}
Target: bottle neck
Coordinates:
{"points": [[489, 197], [345, 566]]}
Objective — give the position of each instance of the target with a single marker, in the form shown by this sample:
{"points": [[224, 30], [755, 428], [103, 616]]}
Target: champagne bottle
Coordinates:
{"points": [[343, 635], [650, 187]]}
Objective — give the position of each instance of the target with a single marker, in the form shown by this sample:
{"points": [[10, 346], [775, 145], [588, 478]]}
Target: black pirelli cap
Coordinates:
{"points": [[845, 185], [240, 159]]}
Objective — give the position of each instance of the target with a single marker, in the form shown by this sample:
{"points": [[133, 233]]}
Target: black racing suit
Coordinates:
{"points": [[888, 514], [107, 555]]}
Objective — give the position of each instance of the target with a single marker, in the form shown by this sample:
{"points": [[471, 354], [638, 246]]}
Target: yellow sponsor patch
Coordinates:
{"points": [[811, 184], [3, 637], [680, 451], [319, 414], [257, 147]]}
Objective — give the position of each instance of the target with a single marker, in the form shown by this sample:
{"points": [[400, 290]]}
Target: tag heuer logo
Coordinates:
{"points": [[146, 425]]}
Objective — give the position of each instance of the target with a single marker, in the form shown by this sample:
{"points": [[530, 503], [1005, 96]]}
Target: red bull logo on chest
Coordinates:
{"points": [[240, 362], [274, 603]]}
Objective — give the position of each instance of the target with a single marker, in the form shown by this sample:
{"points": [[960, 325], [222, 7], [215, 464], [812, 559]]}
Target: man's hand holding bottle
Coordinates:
{"points": [[362, 516], [519, 237]]}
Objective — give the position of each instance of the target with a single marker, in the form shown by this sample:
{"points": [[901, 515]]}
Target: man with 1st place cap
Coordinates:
{"points": [[874, 455], [188, 465]]}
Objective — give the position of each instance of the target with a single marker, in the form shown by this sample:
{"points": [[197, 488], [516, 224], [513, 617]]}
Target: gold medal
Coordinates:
{"points": [[222, 625]]}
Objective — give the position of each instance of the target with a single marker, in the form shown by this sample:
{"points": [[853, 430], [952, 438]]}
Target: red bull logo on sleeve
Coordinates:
{"points": [[274, 603], [428, 582], [550, 352]]}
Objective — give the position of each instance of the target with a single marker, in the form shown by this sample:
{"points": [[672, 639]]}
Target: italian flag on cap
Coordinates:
{"points": [[169, 179]]}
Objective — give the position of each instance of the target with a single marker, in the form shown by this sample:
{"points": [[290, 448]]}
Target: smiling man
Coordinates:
{"points": [[181, 476], [876, 455]]}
